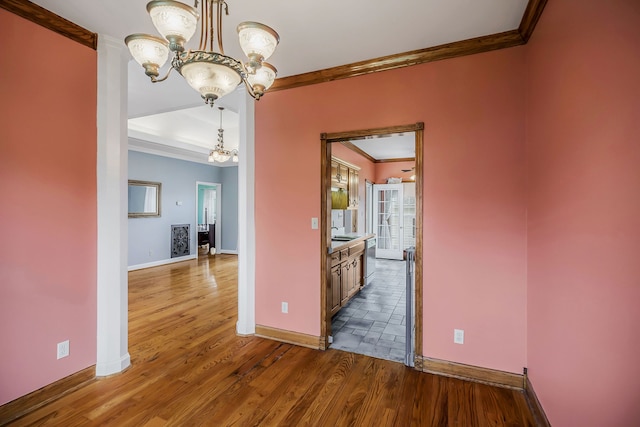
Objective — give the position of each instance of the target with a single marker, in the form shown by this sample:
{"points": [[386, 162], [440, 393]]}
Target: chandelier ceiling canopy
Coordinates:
{"points": [[212, 73]]}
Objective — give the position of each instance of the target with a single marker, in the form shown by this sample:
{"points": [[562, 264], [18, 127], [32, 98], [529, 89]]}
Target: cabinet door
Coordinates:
{"points": [[357, 273], [339, 175], [345, 272], [354, 197], [335, 297]]}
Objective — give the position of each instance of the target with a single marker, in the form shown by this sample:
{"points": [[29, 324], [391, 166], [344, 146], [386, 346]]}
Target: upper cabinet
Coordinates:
{"points": [[339, 174], [352, 189], [344, 185]]}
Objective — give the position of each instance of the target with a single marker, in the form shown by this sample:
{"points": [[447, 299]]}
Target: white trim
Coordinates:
{"points": [[147, 147], [162, 262], [113, 367], [228, 251], [112, 354], [218, 213], [246, 324]]}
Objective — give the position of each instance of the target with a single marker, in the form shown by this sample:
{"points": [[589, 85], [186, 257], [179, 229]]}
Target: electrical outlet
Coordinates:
{"points": [[63, 349], [285, 307], [314, 223], [458, 336], [150, 252]]}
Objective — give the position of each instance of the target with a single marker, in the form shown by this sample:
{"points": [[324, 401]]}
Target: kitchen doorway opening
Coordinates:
{"points": [[391, 281], [208, 224]]}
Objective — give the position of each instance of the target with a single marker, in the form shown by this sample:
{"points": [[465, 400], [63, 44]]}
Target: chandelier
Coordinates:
{"points": [[213, 74], [219, 154]]}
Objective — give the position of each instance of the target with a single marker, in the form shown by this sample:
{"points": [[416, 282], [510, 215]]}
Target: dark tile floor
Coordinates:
{"points": [[372, 323]]}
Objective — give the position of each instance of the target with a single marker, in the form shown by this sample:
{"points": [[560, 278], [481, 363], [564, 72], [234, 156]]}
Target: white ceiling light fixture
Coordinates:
{"points": [[213, 74], [219, 153]]}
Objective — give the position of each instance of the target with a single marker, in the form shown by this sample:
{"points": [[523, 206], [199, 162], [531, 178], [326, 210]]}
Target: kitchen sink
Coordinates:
{"points": [[343, 238]]}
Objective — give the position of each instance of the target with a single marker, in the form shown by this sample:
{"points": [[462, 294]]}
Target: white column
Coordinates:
{"points": [[112, 340], [246, 219]]}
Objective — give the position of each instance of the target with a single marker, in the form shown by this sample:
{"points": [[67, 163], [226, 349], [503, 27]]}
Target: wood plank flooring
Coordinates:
{"points": [[190, 369]]}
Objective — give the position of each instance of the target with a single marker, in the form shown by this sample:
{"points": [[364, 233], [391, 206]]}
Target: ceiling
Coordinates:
{"points": [[392, 146], [171, 116]]}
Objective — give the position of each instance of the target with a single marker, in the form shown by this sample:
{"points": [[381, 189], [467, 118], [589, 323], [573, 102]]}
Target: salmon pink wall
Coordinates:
{"points": [[474, 251], [583, 143], [394, 170], [48, 205]]}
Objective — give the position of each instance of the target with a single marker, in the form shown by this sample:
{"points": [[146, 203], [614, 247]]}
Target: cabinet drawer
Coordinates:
{"points": [[357, 248], [335, 258], [344, 254]]}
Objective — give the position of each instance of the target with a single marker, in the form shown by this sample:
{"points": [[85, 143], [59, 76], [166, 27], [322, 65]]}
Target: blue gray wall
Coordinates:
{"points": [[149, 238], [229, 208]]}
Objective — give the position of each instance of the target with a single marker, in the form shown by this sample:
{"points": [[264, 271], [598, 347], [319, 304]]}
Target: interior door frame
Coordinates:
{"points": [[325, 231], [218, 186], [368, 213]]}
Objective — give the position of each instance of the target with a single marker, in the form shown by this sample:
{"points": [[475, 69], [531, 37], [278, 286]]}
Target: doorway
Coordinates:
{"points": [[208, 222], [326, 241]]}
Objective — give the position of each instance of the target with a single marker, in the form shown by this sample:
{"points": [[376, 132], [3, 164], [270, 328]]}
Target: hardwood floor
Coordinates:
{"points": [[190, 369]]}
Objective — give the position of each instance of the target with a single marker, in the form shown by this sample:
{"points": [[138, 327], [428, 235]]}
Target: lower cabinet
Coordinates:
{"points": [[346, 279], [335, 298]]}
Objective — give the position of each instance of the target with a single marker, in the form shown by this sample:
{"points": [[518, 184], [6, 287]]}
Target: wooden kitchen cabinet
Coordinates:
{"points": [[335, 297], [346, 275], [339, 174], [345, 177], [352, 188], [344, 282]]}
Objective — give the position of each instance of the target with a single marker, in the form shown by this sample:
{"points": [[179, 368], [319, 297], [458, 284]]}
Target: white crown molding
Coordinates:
{"points": [[149, 147]]}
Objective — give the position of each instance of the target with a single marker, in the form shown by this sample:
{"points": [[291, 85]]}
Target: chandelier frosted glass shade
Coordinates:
{"points": [[149, 51], [257, 40], [174, 20], [263, 78], [210, 79], [215, 156]]}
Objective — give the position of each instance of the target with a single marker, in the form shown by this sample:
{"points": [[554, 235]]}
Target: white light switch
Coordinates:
{"points": [[314, 223]]}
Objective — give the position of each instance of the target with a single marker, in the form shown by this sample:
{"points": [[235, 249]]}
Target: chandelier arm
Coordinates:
{"points": [[202, 26], [210, 23], [219, 29], [250, 89], [156, 80]]}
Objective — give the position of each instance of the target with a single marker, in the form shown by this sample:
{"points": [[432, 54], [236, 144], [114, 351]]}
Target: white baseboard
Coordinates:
{"points": [[113, 367], [161, 262], [228, 251]]}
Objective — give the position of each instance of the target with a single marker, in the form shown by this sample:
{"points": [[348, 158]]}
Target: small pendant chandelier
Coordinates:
{"points": [[219, 153], [212, 74]]}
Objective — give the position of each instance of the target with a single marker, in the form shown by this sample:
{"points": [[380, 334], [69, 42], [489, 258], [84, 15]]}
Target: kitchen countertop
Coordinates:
{"points": [[338, 245]]}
